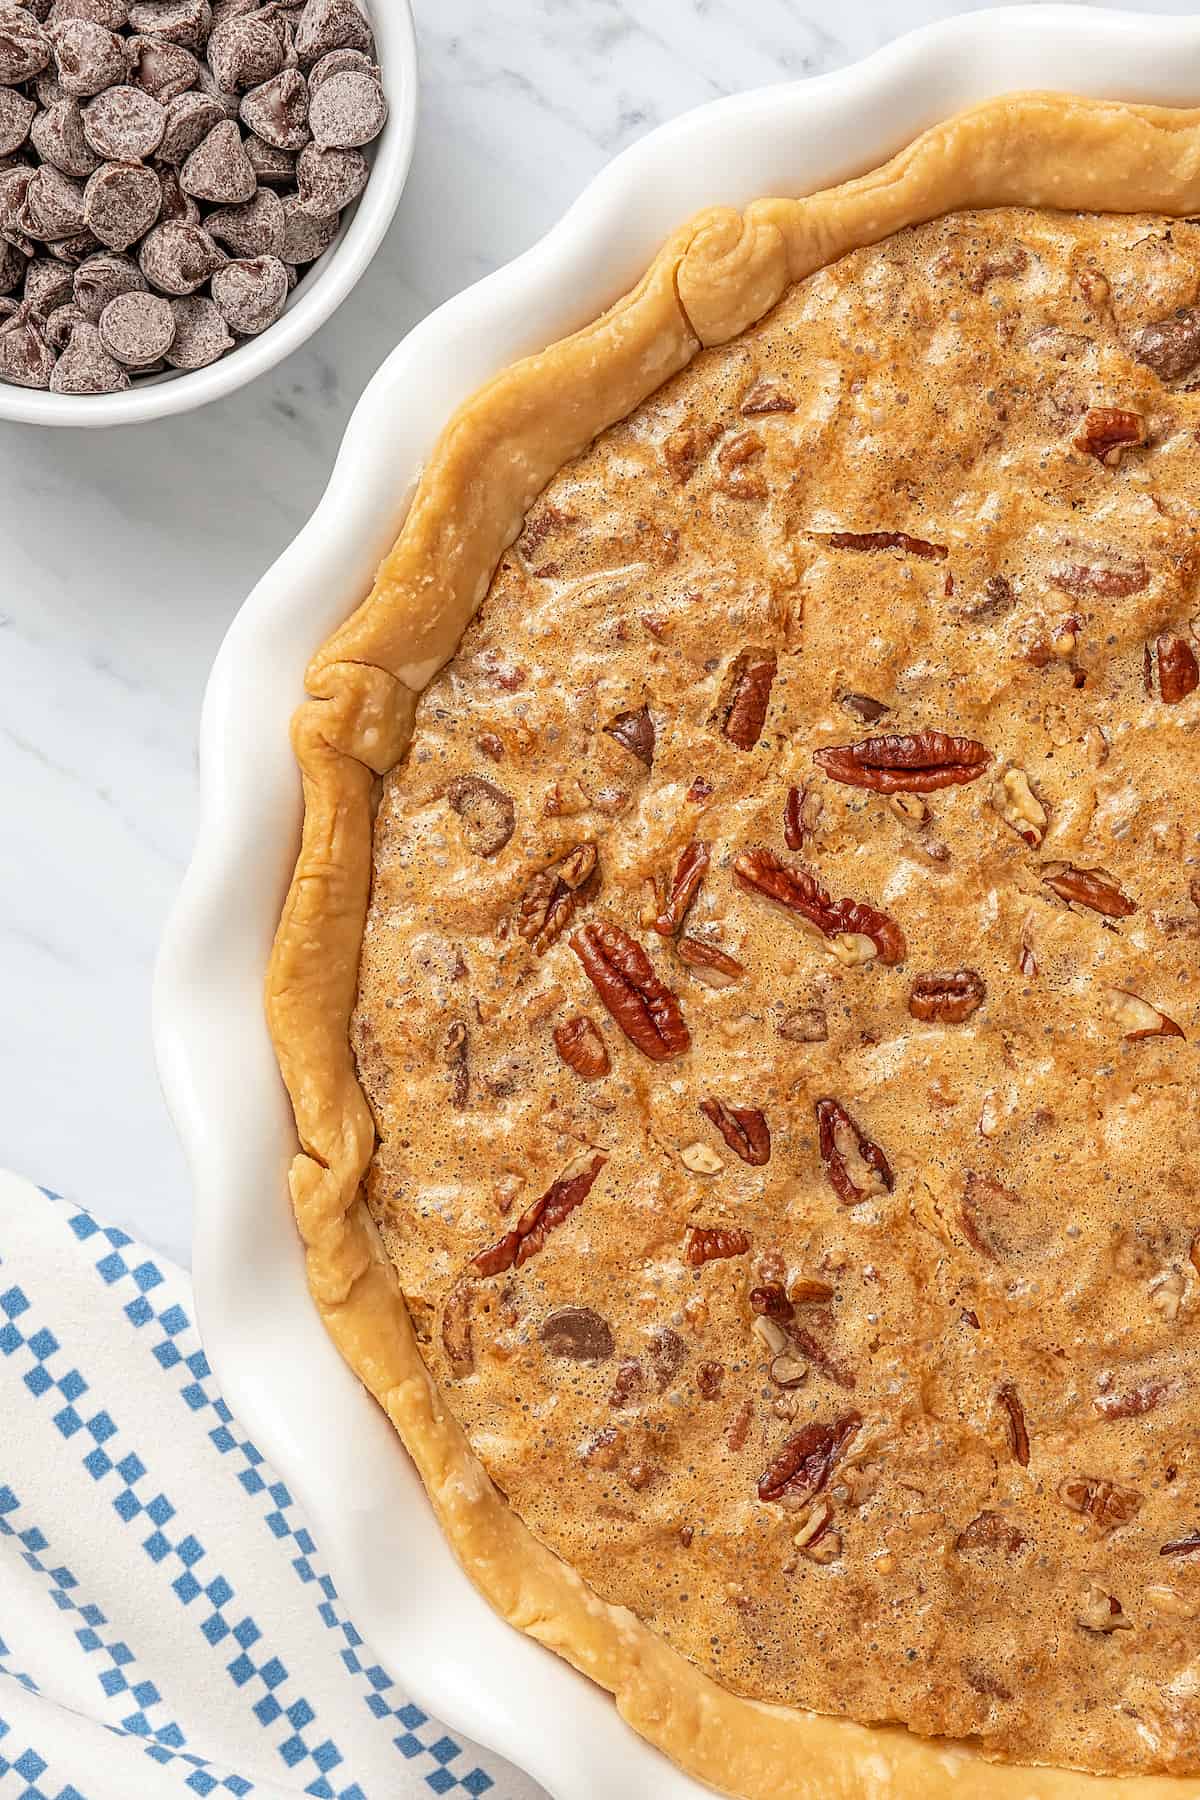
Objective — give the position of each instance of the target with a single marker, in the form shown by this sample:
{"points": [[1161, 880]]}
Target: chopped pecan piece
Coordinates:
{"points": [[628, 1383], [686, 448], [997, 267], [886, 540], [577, 1334], [864, 707], [709, 1377], [998, 598], [1170, 347], [801, 814], [685, 884], [581, 1047], [621, 973], [1107, 430], [1104, 1501], [992, 1217], [915, 763], [744, 1129], [736, 475], [856, 1167], [805, 1461], [946, 997], [806, 1290], [708, 964], [537, 1221], [771, 1302], [738, 1429], [1178, 671], [454, 1055], [1104, 581], [1019, 806], [765, 397], [488, 814], [1185, 1546], [1014, 1413], [742, 709], [709, 1243], [990, 1531], [666, 1353], [456, 1329], [804, 1025], [799, 891], [635, 732], [1137, 1018], [552, 897], [1093, 888], [814, 1349], [1099, 1611], [1135, 1401]]}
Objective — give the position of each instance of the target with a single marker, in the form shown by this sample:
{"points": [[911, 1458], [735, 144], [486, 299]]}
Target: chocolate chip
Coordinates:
{"points": [[329, 179], [58, 137], [14, 186], [347, 110], [160, 69], [185, 22], [86, 56], [177, 206], [245, 51], [24, 49], [112, 14], [278, 111], [122, 202], [61, 323], [189, 119], [177, 259], [54, 205], [47, 284], [219, 169], [26, 359], [12, 267], [85, 367], [339, 62], [137, 329], [48, 88], [331, 25], [124, 124], [100, 280], [251, 293], [8, 308], [578, 1334], [16, 116], [228, 99], [304, 238], [201, 334], [76, 248], [274, 168], [255, 229]]}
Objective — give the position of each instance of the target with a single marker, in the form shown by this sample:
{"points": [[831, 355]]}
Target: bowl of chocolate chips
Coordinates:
{"points": [[188, 189]]}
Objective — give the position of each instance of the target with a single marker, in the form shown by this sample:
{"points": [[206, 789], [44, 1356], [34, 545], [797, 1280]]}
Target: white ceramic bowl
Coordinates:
{"points": [[322, 287], [279, 1372]]}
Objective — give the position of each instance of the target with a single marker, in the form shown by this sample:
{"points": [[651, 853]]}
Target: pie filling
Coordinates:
{"points": [[779, 996]]}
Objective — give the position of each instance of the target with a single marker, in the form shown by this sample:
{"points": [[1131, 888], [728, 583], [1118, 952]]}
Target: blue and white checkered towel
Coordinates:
{"points": [[167, 1627]]}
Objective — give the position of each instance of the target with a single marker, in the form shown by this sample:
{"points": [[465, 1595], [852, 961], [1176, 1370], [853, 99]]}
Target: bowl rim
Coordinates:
{"points": [[321, 289], [279, 1372]]}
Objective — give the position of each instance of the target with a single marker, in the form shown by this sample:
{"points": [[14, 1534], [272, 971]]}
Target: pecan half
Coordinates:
{"points": [[1135, 1401], [1107, 430], [856, 1167], [805, 1461], [581, 1047], [488, 814], [456, 1329], [708, 964], [1014, 1414], [1186, 1546], [635, 732], [537, 1221], [621, 973], [709, 1243], [765, 397], [946, 997], [885, 540], [992, 1217], [552, 897], [685, 883], [864, 707], [990, 1531], [746, 693], [1104, 1501], [1093, 888], [801, 814], [1178, 671], [1171, 346], [915, 763], [799, 891], [736, 473], [744, 1129], [454, 1055]]}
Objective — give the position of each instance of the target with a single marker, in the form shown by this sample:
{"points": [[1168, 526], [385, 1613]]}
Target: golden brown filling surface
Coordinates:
{"points": [[779, 997]]}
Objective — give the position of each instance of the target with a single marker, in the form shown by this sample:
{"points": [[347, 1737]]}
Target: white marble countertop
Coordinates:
{"points": [[125, 554]]}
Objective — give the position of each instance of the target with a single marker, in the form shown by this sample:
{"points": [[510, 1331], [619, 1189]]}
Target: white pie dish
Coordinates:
{"points": [[281, 1375], [322, 287]]}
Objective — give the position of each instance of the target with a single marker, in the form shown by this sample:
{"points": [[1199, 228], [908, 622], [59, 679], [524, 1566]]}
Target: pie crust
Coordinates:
{"points": [[718, 275]]}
